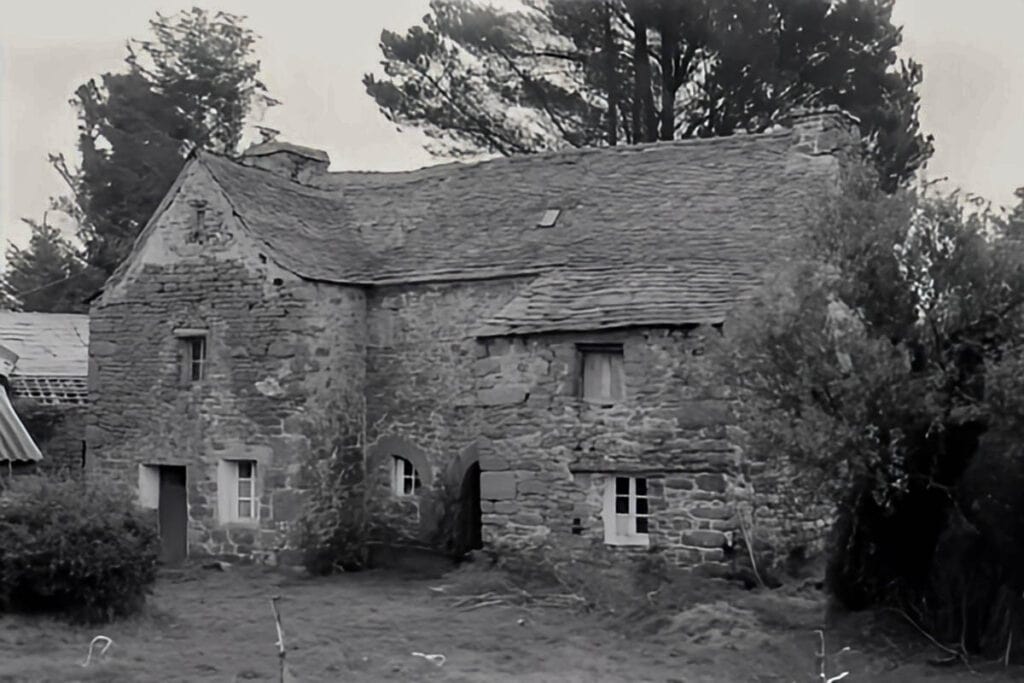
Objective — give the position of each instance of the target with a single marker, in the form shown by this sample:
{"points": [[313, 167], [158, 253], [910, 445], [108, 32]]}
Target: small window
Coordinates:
{"points": [[248, 507], [238, 490], [200, 218], [193, 358], [549, 218], [405, 480], [626, 511], [602, 381]]}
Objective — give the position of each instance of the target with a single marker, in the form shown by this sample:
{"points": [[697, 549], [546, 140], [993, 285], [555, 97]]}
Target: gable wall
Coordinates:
{"points": [[285, 369]]}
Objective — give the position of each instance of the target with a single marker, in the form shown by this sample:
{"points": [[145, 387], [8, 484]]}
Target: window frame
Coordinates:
{"points": [[616, 351], [192, 368], [229, 491], [252, 499], [632, 516], [403, 472]]}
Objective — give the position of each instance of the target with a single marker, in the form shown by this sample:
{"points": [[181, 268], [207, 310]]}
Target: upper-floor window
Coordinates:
{"points": [[192, 354], [405, 480], [602, 378], [626, 511]]}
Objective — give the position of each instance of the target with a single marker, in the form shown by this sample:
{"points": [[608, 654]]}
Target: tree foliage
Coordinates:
{"points": [[48, 274], [192, 85], [565, 73], [889, 368]]}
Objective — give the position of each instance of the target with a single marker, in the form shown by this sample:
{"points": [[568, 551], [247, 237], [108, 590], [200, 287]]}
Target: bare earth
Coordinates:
{"points": [[205, 625]]}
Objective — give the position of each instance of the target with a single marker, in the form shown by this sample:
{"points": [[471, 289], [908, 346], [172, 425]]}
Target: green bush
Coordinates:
{"points": [[332, 531], [84, 552]]}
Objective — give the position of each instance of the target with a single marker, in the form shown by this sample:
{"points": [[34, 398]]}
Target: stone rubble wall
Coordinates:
{"points": [[284, 365]]}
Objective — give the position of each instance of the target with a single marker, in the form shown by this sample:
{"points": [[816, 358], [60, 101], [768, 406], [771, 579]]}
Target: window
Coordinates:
{"points": [[626, 511], [248, 506], [602, 376], [237, 491], [193, 357], [405, 480]]}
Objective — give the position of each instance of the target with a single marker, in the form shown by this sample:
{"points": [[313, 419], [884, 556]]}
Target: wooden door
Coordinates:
{"points": [[173, 514]]}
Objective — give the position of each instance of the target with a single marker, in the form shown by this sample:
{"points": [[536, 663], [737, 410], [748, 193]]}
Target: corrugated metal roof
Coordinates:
{"points": [[16, 445], [47, 344]]}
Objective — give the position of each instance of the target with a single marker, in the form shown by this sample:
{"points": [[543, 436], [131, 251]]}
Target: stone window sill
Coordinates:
{"points": [[642, 540]]}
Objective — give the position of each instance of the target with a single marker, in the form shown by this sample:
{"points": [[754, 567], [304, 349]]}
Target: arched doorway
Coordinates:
{"points": [[470, 536]]}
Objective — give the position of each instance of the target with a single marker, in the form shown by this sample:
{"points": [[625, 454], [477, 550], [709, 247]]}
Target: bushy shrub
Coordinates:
{"points": [[85, 552]]}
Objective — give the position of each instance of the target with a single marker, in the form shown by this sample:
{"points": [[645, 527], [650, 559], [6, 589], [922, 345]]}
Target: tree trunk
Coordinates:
{"points": [[667, 58], [644, 117], [611, 55]]}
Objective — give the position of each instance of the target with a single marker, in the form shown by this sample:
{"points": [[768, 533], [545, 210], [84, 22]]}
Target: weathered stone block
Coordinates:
{"points": [[497, 485], [714, 483], [702, 538], [505, 507], [493, 463], [501, 396], [532, 486]]}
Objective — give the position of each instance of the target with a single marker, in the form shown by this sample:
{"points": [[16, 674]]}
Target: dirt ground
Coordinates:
{"points": [[208, 625]]}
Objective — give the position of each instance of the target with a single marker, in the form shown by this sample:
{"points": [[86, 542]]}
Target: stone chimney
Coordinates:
{"points": [[824, 130], [298, 163]]}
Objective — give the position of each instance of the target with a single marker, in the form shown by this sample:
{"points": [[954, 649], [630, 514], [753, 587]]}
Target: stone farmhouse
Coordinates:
{"points": [[509, 350]]}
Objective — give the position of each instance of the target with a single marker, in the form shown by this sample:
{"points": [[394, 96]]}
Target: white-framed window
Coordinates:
{"points": [[626, 511], [405, 480], [238, 491], [602, 377]]}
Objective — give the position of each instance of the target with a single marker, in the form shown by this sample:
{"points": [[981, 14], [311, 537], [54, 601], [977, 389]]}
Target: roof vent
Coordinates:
{"points": [[549, 218]]}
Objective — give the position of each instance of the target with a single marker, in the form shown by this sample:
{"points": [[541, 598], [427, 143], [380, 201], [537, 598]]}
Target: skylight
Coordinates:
{"points": [[549, 218]]}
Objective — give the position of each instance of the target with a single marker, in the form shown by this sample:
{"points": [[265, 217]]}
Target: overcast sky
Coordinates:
{"points": [[314, 54]]}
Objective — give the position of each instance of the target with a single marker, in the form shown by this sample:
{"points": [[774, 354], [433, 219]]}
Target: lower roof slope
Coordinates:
{"points": [[672, 232]]}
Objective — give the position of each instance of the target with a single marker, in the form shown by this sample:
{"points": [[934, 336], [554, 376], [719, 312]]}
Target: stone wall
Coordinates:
{"points": [[546, 454], [63, 449], [285, 368], [421, 397]]}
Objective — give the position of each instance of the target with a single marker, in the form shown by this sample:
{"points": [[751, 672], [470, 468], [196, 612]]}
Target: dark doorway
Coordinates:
{"points": [[173, 514], [469, 502]]}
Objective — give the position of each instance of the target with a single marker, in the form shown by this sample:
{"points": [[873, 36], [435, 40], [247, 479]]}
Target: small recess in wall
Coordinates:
{"points": [[577, 527]]}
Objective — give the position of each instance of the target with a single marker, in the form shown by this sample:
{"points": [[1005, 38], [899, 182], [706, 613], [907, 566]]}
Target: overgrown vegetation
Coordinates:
{"points": [[888, 367], [85, 553], [332, 532]]}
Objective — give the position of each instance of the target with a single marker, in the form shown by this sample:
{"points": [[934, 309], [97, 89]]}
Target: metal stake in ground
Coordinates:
{"points": [[285, 674]]}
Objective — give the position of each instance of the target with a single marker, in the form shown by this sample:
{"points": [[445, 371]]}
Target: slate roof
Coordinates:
{"points": [[672, 232], [53, 355]]}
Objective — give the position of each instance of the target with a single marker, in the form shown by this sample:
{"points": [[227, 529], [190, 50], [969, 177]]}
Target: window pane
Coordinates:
{"points": [[245, 509], [621, 505], [641, 506], [616, 376], [641, 525], [624, 525], [622, 486], [245, 488], [641, 486], [592, 388], [197, 370], [245, 469]]}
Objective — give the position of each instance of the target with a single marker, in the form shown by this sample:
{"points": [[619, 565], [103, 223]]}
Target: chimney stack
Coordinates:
{"points": [[295, 162], [824, 130]]}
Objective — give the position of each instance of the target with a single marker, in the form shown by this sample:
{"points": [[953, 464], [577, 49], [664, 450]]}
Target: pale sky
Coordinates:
{"points": [[315, 53]]}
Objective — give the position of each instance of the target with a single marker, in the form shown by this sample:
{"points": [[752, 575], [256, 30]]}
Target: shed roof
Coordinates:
{"points": [[47, 344]]}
